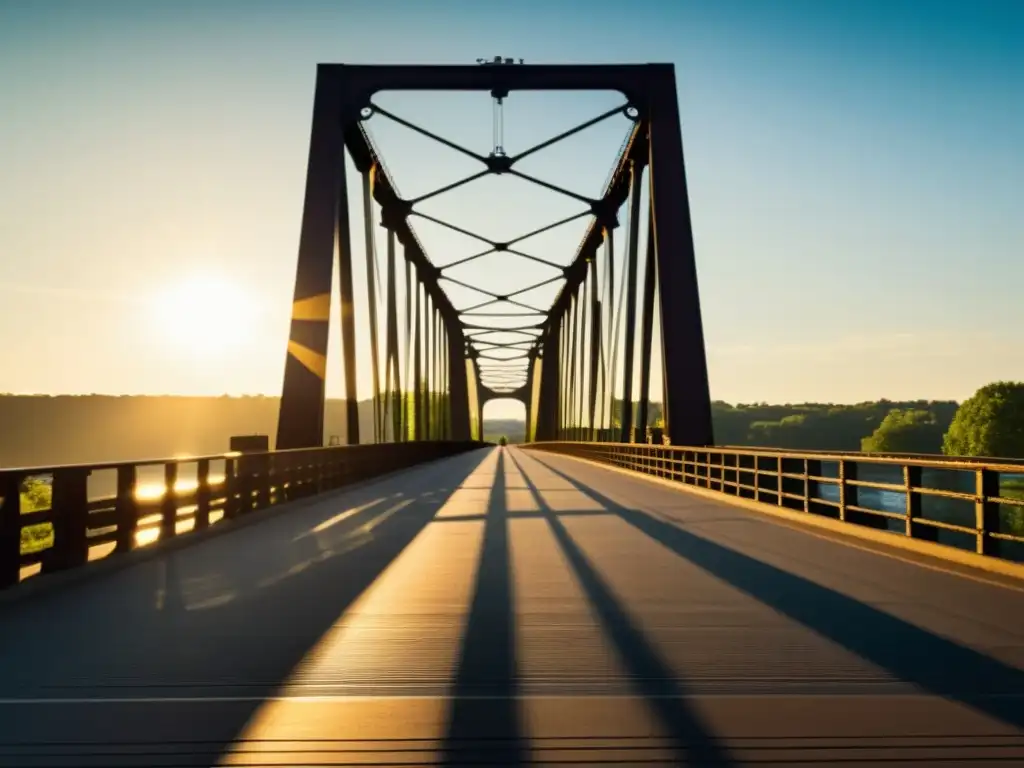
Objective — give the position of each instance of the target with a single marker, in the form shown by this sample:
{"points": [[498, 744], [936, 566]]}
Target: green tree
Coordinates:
{"points": [[990, 423], [905, 431], [502, 440]]}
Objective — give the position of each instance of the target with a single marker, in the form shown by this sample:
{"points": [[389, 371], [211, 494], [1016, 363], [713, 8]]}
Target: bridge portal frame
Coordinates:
{"points": [[342, 100]]}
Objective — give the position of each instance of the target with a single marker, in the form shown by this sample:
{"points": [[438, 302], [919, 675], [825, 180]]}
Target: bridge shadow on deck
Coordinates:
{"points": [[652, 676], [934, 664], [485, 723], [484, 731], [189, 623]]}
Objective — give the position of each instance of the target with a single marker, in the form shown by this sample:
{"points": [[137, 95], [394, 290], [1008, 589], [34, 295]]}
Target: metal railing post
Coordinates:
{"points": [[70, 509], [126, 508], [986, 512], [203, 494], [10, 529], [169, 505]]}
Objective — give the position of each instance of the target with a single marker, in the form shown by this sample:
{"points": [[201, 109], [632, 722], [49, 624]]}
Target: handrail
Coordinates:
{"points": [[927, 459], [992, 523], [44, 469], [77, 528], [1012, 466], [868, 456]]}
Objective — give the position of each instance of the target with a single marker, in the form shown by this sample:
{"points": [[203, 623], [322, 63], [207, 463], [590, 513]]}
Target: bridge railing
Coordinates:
{"points": [[74, 526], [967, 503]]}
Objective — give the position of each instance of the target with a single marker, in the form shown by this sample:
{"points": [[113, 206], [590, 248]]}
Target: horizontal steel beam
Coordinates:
{"points": [[628, 79]]}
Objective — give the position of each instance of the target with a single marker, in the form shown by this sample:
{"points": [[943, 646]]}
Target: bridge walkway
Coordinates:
{"points": [[507, 606]]}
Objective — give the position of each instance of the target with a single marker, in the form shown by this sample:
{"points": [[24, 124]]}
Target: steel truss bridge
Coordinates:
{"points": [[611, 592], [562, 361]]}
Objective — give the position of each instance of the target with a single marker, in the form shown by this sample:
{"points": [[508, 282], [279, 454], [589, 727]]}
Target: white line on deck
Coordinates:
{"points": [[331, 698]]}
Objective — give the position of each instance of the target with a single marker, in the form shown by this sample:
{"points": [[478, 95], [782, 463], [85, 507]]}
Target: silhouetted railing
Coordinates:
{"points": [[973, 504], [75, 527]]}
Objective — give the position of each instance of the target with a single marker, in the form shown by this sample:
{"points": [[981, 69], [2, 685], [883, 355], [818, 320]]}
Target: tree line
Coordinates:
{"points": [[990, 423], [814, 426], [42, 430]]}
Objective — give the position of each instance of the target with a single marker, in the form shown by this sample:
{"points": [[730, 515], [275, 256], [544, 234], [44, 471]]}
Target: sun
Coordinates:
{"points": [[203, 314]]}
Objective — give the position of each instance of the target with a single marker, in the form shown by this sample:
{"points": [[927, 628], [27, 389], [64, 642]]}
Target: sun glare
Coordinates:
{"points": [[203, 314]]}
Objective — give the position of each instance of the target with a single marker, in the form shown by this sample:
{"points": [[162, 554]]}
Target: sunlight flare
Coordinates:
{"points": [[204, 314]]}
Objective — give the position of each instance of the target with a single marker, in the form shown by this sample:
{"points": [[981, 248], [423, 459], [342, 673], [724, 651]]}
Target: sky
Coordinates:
{"points": [[855, 169]]}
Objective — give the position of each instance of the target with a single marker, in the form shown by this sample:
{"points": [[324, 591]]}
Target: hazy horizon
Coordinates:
{"points": [[854, 171], [494, 411]]}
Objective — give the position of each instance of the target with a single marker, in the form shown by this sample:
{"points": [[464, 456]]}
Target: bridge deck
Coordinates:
{"points": [[505, 606]]}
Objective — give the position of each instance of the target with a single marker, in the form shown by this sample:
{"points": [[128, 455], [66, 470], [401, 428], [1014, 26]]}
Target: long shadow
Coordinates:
{"points": [[111, 639], [653, 678], [934, 664], [487, 731]]}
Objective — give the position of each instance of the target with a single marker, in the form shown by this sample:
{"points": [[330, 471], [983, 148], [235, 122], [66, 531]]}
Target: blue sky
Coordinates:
{"points": [[855, 172]]}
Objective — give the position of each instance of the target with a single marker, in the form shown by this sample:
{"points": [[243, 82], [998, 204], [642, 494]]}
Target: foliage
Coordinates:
{"points": [[803, 426], [1012, 489], [814, 426], [910, 431], [514, 430], [990, 423], [433, 404], [36, 495], [502, 440], [1012, 517]]}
